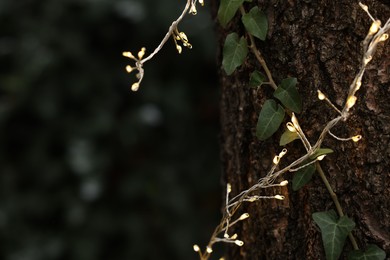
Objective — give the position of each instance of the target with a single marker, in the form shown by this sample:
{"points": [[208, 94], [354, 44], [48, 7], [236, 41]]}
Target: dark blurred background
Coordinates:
{"points": [[89, 169]]}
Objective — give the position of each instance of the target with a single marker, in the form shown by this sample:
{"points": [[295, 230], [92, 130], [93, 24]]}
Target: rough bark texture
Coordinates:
{"points": [[318, 42]]}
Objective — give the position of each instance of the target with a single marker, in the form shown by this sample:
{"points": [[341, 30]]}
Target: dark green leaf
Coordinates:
{"points": [[256, 79], [303, 176], [373, 252], [288, 137], [320, 152], [270, 118], [334, 231], [288, 94], [234, 52], [256, 23], [227, 10]]}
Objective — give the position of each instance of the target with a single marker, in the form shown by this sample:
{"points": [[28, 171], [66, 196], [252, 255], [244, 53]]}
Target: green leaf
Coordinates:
{"points": [[320, 152], [373, 252], [227, 10], [256, 80], [334, 231], [256, 23], [288, 137], [303, 176], [234, 52], [288, 94], [270, 118]]}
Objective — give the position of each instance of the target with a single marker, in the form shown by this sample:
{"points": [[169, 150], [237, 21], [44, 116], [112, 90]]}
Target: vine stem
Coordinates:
{"points": [[258, 55], [336, 202]]}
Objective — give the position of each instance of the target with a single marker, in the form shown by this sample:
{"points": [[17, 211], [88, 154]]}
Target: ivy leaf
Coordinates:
{"points": [[288, 94], [288, 137], [256, 80], [373, 252], [256, 23], [227, 10], [320, 152], [234, 52], [334, 231], [303, 176], [270, 118]]}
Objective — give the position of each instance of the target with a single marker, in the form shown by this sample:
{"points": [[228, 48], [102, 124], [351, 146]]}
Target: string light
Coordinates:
{"points": [[375, 27], [141, 53], [276, 159], [196, 248], [384, 37], [244, 216], [279, 197], [291, 127], [209, 250], [128, 55], [351, 101], [356, 138], [283, 183], [135, 86], [321, 157], [239, 242], [321, 95], [282, 153]]}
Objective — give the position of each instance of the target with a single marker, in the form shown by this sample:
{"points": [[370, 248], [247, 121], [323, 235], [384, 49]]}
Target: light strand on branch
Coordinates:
{"points": [[173, 31]]}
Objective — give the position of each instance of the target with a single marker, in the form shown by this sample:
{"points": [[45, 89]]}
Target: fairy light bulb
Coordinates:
{"points": [[128, 54], [141, 53], [239, 242], [209, 250], [291, 127], [321, 157], [283, 183], [321, 95], [196, 248], [244, 216], [276, 159], [129, 68], [135, 86], [279, 197], [282, 153], [356, 138], [375, 27], [384, 37], [351, 101], [294, 120]]}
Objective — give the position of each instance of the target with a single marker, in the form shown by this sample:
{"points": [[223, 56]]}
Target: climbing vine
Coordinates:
{"points": [[335, 227]]}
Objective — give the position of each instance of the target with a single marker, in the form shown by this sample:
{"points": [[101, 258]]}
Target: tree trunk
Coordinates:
{"points": [[319, 43]]}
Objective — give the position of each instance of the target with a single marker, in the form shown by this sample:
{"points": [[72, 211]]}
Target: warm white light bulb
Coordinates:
{"points": [[196, 248], [283, 183], [279, 197], [321, 95], [351, 101], [321, 157], [135, 86], [244, 216], [291, 127], [375, 26], [356, 138], [276, 159], [239, 242]]}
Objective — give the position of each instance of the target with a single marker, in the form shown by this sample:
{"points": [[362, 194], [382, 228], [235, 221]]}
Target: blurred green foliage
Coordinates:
{"points": [[89, 169]]}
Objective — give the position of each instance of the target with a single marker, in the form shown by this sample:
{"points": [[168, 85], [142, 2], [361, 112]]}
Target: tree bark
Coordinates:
{"points": [[319, 43]]}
